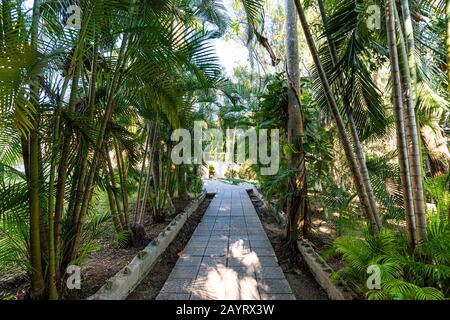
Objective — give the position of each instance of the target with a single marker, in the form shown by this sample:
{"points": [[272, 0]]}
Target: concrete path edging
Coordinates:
{"points": [[281, 214], [336, 289], [128, 278]]}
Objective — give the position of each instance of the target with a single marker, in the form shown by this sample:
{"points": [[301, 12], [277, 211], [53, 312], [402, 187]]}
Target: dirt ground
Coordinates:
{"points": [[101, 264], [297, 274], [149, 288]]}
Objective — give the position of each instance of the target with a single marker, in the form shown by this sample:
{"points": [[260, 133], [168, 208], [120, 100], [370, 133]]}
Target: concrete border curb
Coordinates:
{"points": [[336, 290], [256, 192], [128, 278]]}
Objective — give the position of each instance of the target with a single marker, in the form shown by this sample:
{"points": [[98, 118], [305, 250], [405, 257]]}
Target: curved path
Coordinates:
{"points": [[229, 255]]}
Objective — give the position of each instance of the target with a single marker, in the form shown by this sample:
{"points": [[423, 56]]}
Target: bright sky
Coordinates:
{"points": [[231, 54]]}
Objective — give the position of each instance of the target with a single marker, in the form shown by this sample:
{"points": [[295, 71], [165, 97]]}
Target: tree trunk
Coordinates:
{"points": [[338, 119], [297, 202], [75, 241], [399, 119], [358, 149], [141, 176], [34, 149], [123, 182], [412, 139]]}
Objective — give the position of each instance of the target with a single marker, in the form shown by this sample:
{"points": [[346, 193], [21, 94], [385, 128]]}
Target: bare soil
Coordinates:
{"points": [[149, 288], [297, 273], [100, 265]]}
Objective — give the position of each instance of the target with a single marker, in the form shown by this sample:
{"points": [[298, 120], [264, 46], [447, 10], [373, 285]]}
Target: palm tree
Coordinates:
{"points": [[357, 177], [349, 105], [400, 126], [406, 65]]}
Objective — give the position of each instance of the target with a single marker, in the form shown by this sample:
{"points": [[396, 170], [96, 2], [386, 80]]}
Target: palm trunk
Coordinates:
{"points": [[358, 149], [357, 177], [412, 139], [141, 176], [75, 242], [297, 202], [113, 186], [123, 185], [399, 118], [37, 277]]}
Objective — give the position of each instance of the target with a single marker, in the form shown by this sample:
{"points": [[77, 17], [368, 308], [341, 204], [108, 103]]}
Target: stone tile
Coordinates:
{"points": [[213, 261], [188, 260], [197, 238], [181, 272], [202, 233], [257, 237], [177, 286], [194, 251], [216, 251], [218, 238], [173, 296], [196, 244], [268, 261], [277, 296], [238, 261], [269, 286], [260, 244], [264, 252], [235, 238], [270, 273]]}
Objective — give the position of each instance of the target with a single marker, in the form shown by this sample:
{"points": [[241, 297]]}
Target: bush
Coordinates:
{"points": [[246, 171], [231, 174], [421, 275], [212, 171]]}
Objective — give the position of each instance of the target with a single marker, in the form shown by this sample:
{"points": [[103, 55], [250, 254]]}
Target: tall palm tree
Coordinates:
{"points": [[349, 105], [406, 58], [400, 122], [357, 177]]}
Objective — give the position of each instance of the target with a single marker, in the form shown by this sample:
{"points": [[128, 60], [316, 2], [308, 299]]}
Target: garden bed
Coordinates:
{"points": [[101, 264]]}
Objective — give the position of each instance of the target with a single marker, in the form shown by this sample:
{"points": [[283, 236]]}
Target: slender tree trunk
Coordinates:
{"points": [[75, 242], [357, 177], [113, 185], [400, 126], [63, 169], [182, 185], [141, 176], [412, 138], [37, 277], [361, 160], [297, 202], [123, 181], [330, 43], [358, 149]]}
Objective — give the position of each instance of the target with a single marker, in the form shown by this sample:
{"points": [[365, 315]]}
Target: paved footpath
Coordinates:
{"points": [[229, 256]]}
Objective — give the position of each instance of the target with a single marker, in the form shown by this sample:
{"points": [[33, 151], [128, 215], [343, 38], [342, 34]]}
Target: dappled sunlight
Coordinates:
{"points": [[220, 283]]}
